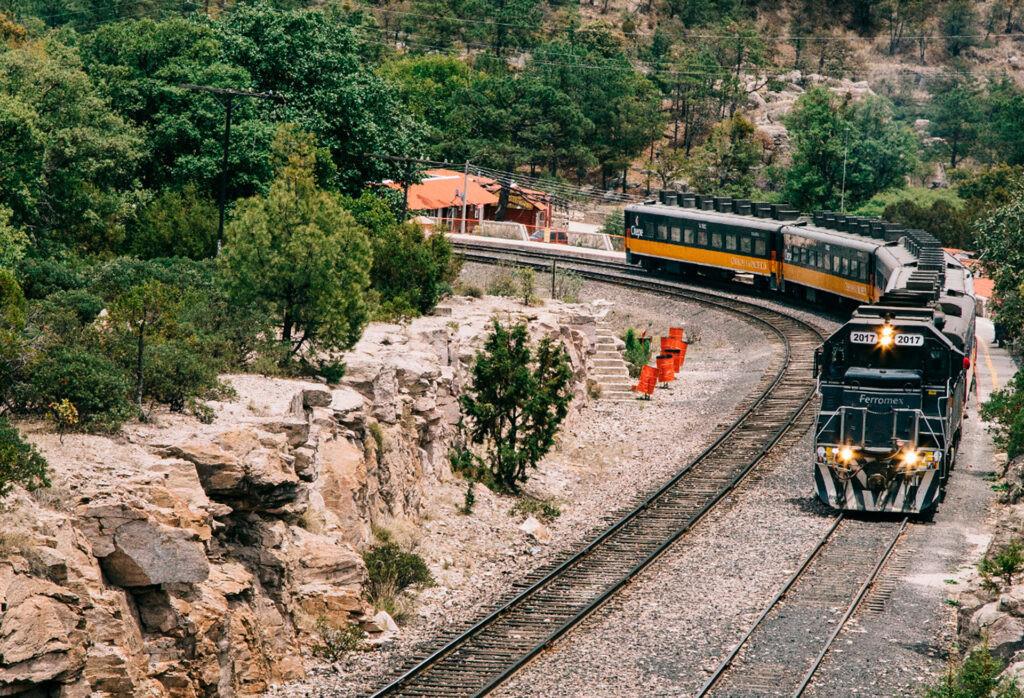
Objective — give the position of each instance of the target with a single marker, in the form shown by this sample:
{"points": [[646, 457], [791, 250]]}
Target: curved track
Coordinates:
{"points": [[781, 653], [486, 654]]}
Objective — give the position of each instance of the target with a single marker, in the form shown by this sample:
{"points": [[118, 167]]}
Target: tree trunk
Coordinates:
{"points": [[140, 351]]}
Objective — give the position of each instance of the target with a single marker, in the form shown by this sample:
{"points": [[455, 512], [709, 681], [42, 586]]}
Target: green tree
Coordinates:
{"points": [[299, 255], [67, 161], [139, 66], [20, 462], [977, 675], [12, 344], [728, 162], [1005, 409], [959, 24], [312, 59], [955, 110], [845, 146], [143, 313], [1001, 241], [176, 223], [13, 241], [1001, 137], [515, 403]]}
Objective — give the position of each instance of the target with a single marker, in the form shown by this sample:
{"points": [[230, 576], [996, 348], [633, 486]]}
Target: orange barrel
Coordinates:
{"points": [[666, 342], [666, 368], [677, 358], [648, 381], [677, 333], [682, 354]]}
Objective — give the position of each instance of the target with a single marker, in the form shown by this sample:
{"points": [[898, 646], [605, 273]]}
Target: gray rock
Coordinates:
{"points": [[146, 553]]}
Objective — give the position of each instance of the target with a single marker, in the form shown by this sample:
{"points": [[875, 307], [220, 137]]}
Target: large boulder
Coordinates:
{"points": [[135, 551], [41, 637]]}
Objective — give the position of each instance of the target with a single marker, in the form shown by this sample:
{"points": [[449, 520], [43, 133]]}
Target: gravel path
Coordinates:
{"points": [[608, 453]]}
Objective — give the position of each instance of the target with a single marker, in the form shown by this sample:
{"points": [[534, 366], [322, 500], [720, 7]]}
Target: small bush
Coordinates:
{"points": [[502, 281], [543, 509], [593, 389], [469, 500], [1005, 409], [97, 388], [391, 571], [335, 643], [637, 352], [469, 290], [20, 462], [1003, 566], [976, 677], [525, 280], [568, 286]]}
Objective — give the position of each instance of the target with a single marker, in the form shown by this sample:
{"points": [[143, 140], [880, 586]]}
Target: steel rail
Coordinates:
{"points": [[729, 304], [814, 554], [850, 611]]}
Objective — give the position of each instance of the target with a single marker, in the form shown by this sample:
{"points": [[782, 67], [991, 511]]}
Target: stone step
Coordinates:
{"points": [[609, 362]]}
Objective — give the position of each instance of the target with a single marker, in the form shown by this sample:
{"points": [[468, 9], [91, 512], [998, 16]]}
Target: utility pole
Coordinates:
{"points": [[465, 194], [846, 149], [230, 95]]}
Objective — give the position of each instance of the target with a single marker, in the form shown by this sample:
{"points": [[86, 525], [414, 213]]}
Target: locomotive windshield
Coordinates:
{"points": [[931, 360]]}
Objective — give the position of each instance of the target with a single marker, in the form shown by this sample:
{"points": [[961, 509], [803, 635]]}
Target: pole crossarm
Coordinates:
{"points": [[230, 91]]}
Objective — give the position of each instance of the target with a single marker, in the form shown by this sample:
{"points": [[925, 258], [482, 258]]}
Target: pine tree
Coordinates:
{"points": [[515, 404]]}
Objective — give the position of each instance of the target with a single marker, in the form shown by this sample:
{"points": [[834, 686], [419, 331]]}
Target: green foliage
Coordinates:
{"points": [[20, 463], [67, 161], [728, 162], [176, 224], [955, 112], [568, 286], [390, 572], [1005, 409], [299, 256], [469, 500], [543, 509], [12, 241], [938, 211], [525, 279], [335, 643], [959, 23], [515, 404], [637, 352], [1001, 242], [95, 385], [615, 224], [1002, 566], [878, 153], [976, 677], [1002, 139]]}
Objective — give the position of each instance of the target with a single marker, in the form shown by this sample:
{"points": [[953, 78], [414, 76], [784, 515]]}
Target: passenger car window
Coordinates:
{"points": [[676, 234], [662, 231], [759, 248], [845, 266], [702, 237], [835, 263], [688, 236], [745, 244], [716, 240], [730, 241], [854, 268]]}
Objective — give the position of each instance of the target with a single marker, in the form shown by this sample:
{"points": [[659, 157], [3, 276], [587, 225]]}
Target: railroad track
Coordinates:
{"points": [[483, 656], [782, 651]]}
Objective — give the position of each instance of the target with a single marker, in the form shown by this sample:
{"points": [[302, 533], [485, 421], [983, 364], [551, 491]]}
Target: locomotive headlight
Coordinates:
{"points": [[910, 458], [846, 454], [885, 336]]}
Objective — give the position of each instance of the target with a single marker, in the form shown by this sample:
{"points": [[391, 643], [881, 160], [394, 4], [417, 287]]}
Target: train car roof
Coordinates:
{"points": [[834, 237], [697, 214]]}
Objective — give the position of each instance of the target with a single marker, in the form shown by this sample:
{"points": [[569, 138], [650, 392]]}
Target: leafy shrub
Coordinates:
{"points": [[976, 677], [637, 352], [568, 286], [20, 462], [514, 405], [176, 224], [1005, 409], [80, 304], [43, 276], [97, 387], [543, 509], [525, 280], [469, 290], [335, 643], [502, 281], [1002, 566], [390, 571]]}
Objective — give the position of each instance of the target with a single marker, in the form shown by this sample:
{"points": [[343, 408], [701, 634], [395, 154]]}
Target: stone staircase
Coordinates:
{"points": [[610, 370]]}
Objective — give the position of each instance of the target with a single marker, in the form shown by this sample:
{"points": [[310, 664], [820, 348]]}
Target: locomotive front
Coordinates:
{"points": [[892, 392]]}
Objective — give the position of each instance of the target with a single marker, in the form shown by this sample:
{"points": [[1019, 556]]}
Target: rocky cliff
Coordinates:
{"points": [[185, 559]]}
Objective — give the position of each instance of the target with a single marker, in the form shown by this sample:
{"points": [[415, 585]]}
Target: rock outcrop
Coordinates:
{"points": [[188, 559]]}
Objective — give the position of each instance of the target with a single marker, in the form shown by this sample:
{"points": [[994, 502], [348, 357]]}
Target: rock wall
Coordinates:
{"points": [[183, 559], [991, 612]]}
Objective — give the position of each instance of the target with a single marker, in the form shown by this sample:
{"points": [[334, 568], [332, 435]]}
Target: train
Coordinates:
{"points": [[894, 380]]}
